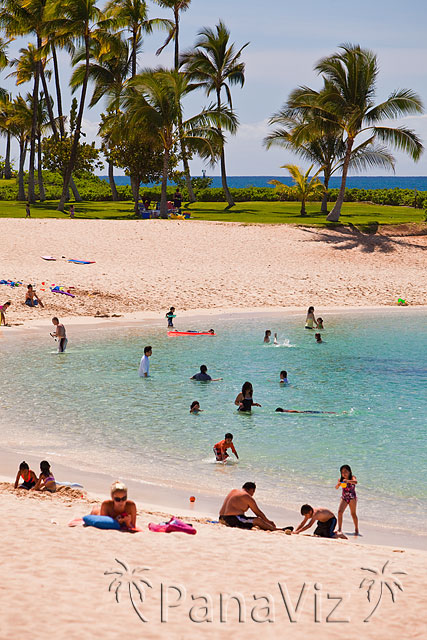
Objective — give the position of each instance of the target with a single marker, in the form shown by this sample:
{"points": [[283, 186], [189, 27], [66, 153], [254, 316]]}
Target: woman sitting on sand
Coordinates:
{"points": [[244, 399], [46, 481], [310, 320], [119, 507]]}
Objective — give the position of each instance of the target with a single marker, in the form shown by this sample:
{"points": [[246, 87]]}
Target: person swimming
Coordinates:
{"points": [[195, 407], [310, 320], [244, 399], [318, 338], [280, 410], [46, 481], [283, 377], [29, 477], [267, 336], [275, 341]]}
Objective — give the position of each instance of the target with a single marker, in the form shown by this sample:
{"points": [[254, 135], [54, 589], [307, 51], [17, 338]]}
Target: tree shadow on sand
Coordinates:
{"points": [[350, 237]]}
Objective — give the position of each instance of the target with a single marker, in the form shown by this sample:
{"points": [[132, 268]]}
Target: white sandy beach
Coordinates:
{"points": [[150, 265], [52, 580]]}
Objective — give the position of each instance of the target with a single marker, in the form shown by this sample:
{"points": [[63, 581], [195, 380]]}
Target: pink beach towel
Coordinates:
{"points": [[173, 525]]}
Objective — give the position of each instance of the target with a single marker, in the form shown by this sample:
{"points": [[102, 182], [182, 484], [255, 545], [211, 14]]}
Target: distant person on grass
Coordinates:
{"points": [[144, 365], [177, 199], [27, 210]]}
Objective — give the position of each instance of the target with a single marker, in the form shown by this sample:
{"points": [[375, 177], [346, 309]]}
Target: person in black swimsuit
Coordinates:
{"points": [[244, 400]]}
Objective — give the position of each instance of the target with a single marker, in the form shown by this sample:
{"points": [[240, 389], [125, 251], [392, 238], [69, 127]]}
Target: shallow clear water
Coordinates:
{"points": [[89, 408]]}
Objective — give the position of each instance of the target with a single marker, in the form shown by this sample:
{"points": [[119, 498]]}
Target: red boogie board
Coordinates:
{"points": [[190, 333]]}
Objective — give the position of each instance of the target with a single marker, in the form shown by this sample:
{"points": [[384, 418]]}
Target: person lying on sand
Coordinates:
{"points": [[235, 505], [46, 481], [119, 507], [326, 522], [31, 298]]}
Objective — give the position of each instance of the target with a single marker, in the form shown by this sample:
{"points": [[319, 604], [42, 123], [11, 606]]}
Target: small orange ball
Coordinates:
{"points": [[192, 499]]}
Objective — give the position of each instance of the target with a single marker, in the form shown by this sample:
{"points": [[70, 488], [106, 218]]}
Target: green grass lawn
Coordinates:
{"points": [[359, 214]]}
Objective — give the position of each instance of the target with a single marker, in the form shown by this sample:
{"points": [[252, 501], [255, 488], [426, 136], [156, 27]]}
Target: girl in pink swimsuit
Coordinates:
{"points": [[348, 483]]}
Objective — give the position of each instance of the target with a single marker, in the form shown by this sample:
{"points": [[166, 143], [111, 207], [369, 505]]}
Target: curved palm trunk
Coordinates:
{"points": [[225, 188], [324, 206], [42, 192], [35, 105], [22, 154], [176, 57], [164, 196], [76, 194], [334, 215], [112, 182], [58, 92], [48, 102], [76, 138], [7, 170]]}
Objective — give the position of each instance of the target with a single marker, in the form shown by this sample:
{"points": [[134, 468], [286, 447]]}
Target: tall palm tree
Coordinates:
{"points": [[132, 15], [154, 102], [347, 100], [108, 70], [178, 7], [326, 148], [214, 64], [304, 187], [82, 21], [16, 117], [22, 18]]}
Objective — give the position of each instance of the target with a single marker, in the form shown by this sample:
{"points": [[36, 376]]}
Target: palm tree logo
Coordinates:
{"points": [[386, 579], [124, 576]]}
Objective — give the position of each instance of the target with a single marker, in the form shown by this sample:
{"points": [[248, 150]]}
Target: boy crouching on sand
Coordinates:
{"points": [[326, 522]]}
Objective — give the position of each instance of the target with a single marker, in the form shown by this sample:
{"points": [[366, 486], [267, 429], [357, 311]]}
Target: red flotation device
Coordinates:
{"points": [[191, 333]]}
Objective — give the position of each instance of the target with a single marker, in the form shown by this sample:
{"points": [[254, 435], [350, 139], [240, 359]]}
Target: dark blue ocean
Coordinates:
{"points": [[359, 182]]}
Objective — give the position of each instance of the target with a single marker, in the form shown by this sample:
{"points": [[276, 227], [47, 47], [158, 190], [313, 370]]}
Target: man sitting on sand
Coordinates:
{"points": [[326, 522], [235, 505], [31, 297]]}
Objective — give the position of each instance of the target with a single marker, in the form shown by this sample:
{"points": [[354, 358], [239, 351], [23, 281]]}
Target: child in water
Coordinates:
{"points": [[220, 448], [320, 323], [267, 336], [275, 341], [348, 483], [283, 377], [170, 316], [244, 400], [195, 407], [28, 476], [318, 338]]}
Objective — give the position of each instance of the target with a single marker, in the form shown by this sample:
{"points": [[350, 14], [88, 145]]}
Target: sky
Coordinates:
{"points": [[286, 39]]}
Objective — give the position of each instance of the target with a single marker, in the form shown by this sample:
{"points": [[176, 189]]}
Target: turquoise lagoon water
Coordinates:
{"points": [[89, 408]]}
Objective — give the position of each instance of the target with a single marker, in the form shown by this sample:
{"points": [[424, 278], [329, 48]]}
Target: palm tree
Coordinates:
{"points": [[133, 16], [214, 64], [16, 118], [5, 99], [154, 102], [326, 148], [347, 100], [385, 579], [82, 21], [135, 584], [178, 6], [21, 18], [108, 69], [304, 187]]}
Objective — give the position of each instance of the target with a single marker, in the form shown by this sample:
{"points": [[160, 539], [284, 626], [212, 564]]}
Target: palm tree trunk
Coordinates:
{"points": [[22, 154], [35, 103], [7, 170], [58, 91], [334, 215], [133, 53], [73, 187], [303, 211], [176, 57], [112, 182], [76, 138], [225, 188], [48, 102], [324, 206], [134, 184], [42, 192], [164, 196]]}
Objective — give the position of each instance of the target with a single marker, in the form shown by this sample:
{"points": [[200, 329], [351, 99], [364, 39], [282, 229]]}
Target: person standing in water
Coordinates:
{"points": [[267, 336], [348, 484], [310, 320], [144, 365], [244, 399], [170, 316], [60, 335]]}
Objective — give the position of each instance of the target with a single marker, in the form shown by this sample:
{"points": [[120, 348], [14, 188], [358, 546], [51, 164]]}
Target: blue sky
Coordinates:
{"points": [[286, 39]]}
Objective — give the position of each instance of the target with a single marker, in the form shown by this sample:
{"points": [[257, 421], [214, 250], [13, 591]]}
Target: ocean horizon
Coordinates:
{"points": [[353, 182]]}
